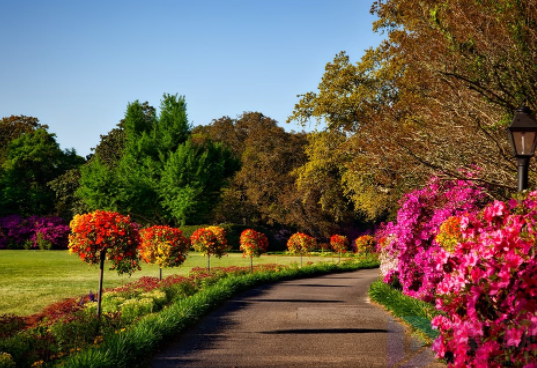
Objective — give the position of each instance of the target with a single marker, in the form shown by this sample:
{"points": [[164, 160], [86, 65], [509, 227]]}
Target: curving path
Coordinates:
{"points": [[324, 321]]}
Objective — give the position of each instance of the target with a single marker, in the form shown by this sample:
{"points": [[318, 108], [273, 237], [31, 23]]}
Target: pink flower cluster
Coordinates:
{"points": [[411, 238], [488, 291]]}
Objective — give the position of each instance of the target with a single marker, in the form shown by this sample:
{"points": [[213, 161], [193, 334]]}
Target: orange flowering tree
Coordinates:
{"points": [[164, 246], [221, 246], [300, 243], [210, 241], [339, 244], [365, 244], [104, 235], [253, 244]]}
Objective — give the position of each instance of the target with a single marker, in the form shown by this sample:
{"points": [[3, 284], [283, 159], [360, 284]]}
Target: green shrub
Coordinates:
{"points": [[181, 290], [132, 309], [75, 332], [6, 361], [159, 297]]}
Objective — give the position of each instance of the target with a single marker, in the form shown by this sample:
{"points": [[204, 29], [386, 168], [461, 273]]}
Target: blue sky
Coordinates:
{"points": [[76, 64]]}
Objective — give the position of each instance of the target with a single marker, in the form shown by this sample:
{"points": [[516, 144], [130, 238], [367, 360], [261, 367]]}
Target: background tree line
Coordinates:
{"points": [[161, 170], [435, 96]]}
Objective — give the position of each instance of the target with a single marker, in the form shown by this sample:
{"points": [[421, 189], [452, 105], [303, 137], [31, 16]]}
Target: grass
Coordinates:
{"points": [[415, 313], [31, 280]]}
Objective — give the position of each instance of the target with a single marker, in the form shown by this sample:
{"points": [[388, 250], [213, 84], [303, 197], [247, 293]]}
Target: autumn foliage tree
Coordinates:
{"points": [[435, 96], [265, 190]]}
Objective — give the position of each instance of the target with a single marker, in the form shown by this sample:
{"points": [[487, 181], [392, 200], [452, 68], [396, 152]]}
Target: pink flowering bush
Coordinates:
{"points": [[412, 237], [488, 290], [33, 232]]}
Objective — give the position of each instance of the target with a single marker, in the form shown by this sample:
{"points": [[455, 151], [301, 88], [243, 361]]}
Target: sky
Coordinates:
{"points": [[75, 65]]}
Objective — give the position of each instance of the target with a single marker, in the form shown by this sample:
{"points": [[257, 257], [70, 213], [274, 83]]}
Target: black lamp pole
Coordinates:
{"points": [[522, 135], [523, 164]]}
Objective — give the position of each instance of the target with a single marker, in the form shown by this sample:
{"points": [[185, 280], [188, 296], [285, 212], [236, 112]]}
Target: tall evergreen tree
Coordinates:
{"points": [[159, 175]]}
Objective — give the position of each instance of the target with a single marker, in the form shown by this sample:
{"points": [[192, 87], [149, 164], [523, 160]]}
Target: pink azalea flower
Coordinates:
{"points": [[513, 336]]}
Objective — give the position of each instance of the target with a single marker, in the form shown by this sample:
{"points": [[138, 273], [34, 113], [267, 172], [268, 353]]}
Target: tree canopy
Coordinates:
{"points": [[30, 162], [436, 95]]}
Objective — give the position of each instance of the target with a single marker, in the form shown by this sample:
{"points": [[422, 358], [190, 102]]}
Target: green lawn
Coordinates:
{"points": [[31, 280]]}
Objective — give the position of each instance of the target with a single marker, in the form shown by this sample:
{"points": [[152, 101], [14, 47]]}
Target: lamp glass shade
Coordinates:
{"points": [[524, 143]]}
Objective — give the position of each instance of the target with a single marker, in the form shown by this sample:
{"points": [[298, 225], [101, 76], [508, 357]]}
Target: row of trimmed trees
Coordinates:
{"points": [[106, 235]]}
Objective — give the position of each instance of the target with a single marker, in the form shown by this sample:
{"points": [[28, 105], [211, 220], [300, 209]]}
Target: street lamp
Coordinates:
{"points": [[523, 137]]}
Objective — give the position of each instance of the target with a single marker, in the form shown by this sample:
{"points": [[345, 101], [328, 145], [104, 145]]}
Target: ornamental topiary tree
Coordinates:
{"points": [[339, 244], [365, 244], [210, 241], [164, 246], [253, 243], [300, 243], [104, 235]]}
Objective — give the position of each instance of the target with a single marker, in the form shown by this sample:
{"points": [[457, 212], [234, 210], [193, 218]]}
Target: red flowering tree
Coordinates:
{"points": [[104, 235], [164, 246], [253, 244], [339, 244], [300, 243], [210, 241]]}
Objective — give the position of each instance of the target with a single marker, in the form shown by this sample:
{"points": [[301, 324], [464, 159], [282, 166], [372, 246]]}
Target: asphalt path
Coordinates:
{"points": [[324, 321]]}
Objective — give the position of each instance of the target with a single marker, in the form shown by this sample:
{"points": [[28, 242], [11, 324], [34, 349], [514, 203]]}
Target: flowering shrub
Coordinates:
{"points": [[49, 232], [253, 243], [365, 244], [208, 242], [300, 243], [108, 232], [418, 222], [339, 243], [488, 289], [163, 246]]}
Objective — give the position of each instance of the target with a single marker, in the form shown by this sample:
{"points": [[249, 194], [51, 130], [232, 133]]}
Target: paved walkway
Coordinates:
{"points": [[324, 321]]}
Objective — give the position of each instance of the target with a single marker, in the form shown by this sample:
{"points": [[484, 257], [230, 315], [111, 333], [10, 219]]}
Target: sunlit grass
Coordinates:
{"points": [[31, 280]]}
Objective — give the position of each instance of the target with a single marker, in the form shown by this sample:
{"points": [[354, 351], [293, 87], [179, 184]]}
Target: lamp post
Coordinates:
{"points": [[522, 135]]}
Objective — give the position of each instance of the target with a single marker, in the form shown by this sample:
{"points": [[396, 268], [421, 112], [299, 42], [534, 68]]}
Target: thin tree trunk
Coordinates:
{"points": [[101, 267]]}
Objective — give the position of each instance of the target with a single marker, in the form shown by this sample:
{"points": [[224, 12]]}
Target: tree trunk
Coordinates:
{"points": [[101, 267]]}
